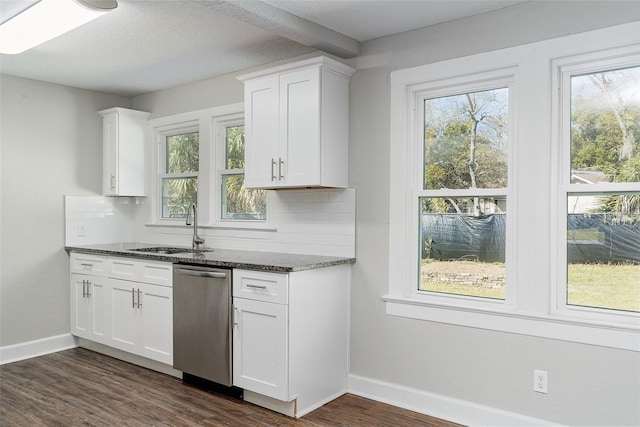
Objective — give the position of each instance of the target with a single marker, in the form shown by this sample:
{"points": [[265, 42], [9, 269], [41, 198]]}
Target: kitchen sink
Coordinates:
{"points": [[164, 250]]}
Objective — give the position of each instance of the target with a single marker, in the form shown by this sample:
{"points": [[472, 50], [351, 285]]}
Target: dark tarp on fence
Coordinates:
{"points": [[454, 236], [594, 238], [601, 238]]}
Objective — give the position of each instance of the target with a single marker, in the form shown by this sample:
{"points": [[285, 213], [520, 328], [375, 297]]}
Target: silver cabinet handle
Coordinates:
{"points": [[198, 273], [280, 163], [88, 288], [133, 298], [251, 286], [139, 305], [84, 289], [86, 265], [235, 316], [273, 168]]}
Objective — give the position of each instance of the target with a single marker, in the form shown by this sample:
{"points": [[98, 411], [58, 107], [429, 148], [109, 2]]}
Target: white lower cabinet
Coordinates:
{"points": [[291, 337], [134, 314]]}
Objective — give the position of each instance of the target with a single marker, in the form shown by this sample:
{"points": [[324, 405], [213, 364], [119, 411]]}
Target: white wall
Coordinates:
{"points": [[588, 385], [51, 145]]}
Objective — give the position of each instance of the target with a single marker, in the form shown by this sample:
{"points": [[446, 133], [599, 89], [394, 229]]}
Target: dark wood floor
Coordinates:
{"points": [[79, 387]]}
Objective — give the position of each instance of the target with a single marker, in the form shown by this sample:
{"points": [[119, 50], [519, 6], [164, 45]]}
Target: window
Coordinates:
{"points": [[462, 233], [237, 202], [599, 187], [550, 136], [179, 174], [200, 159]]}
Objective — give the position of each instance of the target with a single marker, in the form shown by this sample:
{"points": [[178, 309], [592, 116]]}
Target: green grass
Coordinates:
{"points": [[615, 287], [609, 286]]}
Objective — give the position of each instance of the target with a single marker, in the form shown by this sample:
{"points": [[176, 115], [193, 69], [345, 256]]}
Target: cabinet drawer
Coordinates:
{"points": [[135, 270], [88, 264], [123, 268], [158, 273], [261, 286]]}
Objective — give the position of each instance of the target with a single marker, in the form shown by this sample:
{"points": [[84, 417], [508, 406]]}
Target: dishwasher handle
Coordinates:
{"points": [[200, 273]]}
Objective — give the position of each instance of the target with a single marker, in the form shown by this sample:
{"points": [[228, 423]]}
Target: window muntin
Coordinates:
{"points": [[237, 202], [462, 228], [600, 271], [179, 181]]}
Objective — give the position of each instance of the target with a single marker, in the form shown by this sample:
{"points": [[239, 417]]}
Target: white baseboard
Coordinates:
{"points": [[439, 406], [29, 349]]}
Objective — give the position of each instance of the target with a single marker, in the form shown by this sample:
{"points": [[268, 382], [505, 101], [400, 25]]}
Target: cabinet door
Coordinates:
{"points": [[89, 307], [124, 331], [80, 306], [99, 299], [156, 316], [260, 343], [110, 154], [300, 127], [261, 132], [131, 134]]}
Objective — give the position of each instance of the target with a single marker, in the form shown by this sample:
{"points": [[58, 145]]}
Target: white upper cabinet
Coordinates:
{"points": [[297, 125], [123, 135]]}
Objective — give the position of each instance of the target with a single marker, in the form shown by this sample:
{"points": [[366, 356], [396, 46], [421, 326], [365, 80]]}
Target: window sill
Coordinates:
{"points": [[624, 337]]}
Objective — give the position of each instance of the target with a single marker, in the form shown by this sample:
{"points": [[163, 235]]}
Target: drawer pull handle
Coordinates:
{"points": [[273, 167], [86, 265], [251, 286]]}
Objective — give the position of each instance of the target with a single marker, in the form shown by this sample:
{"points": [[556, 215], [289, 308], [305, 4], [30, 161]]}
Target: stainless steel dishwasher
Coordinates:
{"points": [[202, 322]]}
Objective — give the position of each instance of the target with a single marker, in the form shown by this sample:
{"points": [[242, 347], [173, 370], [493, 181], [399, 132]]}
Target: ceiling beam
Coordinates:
{"points": [[285, 24]]}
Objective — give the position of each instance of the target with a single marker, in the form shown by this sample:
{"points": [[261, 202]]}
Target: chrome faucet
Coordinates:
{"points": [[197, 240]]}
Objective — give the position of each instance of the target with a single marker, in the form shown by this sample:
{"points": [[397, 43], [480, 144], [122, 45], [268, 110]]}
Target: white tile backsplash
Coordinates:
{"points": [[100, 219], [308, 221]]}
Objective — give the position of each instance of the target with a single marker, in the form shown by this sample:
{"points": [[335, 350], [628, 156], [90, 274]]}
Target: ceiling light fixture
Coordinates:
{"points": [[48, 19]]}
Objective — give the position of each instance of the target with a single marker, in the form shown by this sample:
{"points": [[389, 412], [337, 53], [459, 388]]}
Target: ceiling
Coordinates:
{"points": [[145, 46]]}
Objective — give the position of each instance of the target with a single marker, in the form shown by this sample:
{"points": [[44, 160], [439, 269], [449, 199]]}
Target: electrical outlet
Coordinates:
{"points": [[540, 381], [81, 230]]}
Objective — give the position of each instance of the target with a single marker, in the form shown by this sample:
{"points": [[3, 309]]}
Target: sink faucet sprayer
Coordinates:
{"points": [[197, 240]]}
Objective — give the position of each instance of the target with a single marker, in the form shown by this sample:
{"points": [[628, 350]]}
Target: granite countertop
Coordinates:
{"points": [[252, 260]]}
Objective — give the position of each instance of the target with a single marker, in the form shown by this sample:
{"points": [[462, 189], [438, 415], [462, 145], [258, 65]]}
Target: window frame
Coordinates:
{"points": [[211, 158], [530, 308], [562, 70]]}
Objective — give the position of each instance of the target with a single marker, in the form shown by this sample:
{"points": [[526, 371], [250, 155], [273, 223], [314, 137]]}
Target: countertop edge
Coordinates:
{"points": [[202, 259]]}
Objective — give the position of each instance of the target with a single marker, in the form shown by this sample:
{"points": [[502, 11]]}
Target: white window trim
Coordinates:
{"points": [[528, 308], [206, 122], [562, 71]]}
